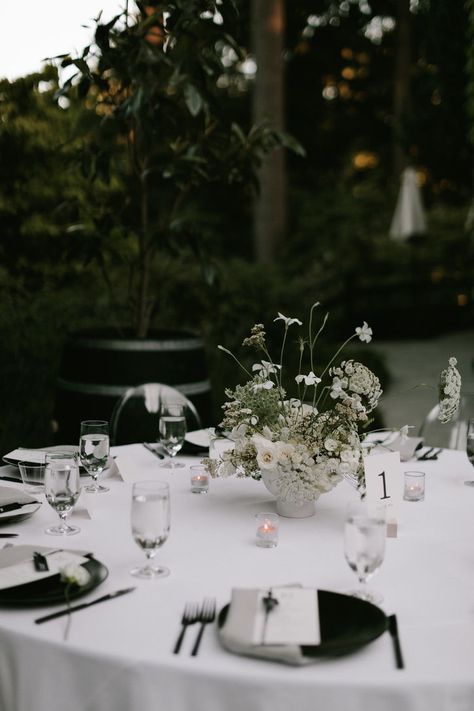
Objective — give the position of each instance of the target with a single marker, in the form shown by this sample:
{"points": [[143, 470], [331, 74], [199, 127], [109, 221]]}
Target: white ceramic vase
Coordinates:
{"points": [[289, 509]]}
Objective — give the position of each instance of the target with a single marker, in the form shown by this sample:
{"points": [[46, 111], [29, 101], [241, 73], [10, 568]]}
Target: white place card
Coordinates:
{"points": [[294, 620], [24, 571], [384, 485]]}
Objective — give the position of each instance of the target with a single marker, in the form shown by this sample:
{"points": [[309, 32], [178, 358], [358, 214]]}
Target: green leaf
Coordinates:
{"points": [[292, 144], [193, 99]]}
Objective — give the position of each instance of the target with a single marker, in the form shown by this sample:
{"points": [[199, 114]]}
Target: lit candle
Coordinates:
{"points": [[267, 530], [414, 486], [199, 479]]}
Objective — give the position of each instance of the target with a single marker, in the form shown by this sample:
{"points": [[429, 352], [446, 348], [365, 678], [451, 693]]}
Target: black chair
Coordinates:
{"points": [[136, 414]]}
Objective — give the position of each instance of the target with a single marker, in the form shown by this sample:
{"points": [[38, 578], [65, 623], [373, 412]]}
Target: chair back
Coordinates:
{"points": [[451, 435], [136, 414]]}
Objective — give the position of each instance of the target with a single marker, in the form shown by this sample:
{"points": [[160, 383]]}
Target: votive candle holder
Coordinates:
{"points": [[266, 535], [199, 479], [414, 489]]}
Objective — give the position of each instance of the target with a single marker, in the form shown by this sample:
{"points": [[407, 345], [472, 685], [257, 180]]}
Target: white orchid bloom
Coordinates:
{"points": [[364, 332], [288, 321], [310, 379], [267, 385]]}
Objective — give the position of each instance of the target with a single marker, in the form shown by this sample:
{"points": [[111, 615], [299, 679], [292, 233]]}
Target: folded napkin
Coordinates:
{"points": [[17, 567], [9, 495], [237, 631]]}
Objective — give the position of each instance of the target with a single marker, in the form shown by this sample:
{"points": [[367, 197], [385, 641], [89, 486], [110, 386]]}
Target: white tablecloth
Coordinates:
{"points": [[118, 655]]}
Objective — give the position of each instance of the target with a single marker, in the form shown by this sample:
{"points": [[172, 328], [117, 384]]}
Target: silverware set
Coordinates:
{"points": [[431, 453], [192, 614]]}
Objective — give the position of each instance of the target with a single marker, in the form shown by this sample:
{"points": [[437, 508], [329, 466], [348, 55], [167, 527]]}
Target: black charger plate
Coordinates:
{"points": [[346, 624], [49, 591]]}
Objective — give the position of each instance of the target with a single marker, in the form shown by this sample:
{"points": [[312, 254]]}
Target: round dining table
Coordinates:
{"points": [[118, 655]]}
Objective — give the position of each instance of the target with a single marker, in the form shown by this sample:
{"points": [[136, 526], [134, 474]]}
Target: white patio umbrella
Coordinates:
{"points": [[409, 216]]}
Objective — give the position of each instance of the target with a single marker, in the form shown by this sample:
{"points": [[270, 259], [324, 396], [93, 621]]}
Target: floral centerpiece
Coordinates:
{"points": [[303, 446]]}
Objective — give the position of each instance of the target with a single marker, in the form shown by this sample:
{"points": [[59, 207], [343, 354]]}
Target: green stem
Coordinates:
{"points": [[221, 348]]}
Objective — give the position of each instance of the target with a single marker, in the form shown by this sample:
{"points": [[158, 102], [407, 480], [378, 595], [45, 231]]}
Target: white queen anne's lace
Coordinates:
{"points": [[449, 391]]}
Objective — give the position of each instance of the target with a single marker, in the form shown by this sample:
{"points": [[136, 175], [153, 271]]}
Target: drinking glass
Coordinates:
{"points": [[470, 447], [62, 486], [172, 430], [94, 451], [364, 544], [150, 524]]}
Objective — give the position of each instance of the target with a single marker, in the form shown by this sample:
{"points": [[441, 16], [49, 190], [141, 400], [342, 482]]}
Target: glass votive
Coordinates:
{"points": [[199, 479], [32, 476], [266, 535], [414, 486]]}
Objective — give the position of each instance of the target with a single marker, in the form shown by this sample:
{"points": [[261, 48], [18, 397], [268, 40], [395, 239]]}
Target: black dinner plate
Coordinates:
{"points": [[17, 514], [346, 624], [49, 591]]}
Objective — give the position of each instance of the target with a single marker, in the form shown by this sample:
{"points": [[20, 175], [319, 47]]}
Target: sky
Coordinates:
{"points": [[31, 30]]}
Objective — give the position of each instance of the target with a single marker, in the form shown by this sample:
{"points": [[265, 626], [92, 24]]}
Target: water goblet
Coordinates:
{"points": [[172, 430], [94, 451], [150, 518], [364, 544], [62, 486], [470, 447]]}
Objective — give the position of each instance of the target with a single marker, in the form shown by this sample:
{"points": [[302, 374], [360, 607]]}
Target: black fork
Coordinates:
{"points": [[189, 617], [206, 616]]}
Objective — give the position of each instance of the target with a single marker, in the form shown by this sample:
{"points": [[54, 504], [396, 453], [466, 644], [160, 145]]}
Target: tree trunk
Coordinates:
{"points": [[401, 88], [268, 22]]}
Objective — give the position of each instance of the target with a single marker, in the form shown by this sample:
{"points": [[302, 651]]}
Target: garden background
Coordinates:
{"points": [[63, 248]]}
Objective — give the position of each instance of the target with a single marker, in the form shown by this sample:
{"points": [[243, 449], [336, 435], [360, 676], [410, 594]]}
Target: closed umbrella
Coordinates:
{"points": [[409, 216]]}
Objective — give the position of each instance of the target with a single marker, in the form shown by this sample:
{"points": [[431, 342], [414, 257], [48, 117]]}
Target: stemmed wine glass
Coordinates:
{"points": [[62, 487], [172, 430], [364, 543], [150, 524], [94, 451], [470, 447]]}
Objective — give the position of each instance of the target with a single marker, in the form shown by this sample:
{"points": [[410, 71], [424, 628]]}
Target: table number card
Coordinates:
{"points": [[384, 485]]}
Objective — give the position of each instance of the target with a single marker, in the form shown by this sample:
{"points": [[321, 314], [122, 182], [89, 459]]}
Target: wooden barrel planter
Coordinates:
{"points": [[97, 367]]}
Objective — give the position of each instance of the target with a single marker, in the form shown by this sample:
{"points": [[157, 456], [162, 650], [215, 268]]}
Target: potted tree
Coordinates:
{"points": [[155, 129]]}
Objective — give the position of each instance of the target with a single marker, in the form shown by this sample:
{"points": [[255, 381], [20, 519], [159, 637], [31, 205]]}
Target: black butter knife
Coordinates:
{"points": [[16, 505], [393, 629], [110, 596]]}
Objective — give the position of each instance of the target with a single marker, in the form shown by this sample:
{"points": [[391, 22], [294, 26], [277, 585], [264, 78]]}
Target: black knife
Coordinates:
{"points": [[153, 450], [110, 596], [9, 535], [393, 629], [14, 506]]}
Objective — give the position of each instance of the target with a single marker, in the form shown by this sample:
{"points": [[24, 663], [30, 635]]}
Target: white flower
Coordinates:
{"points": [[74, 574], [310, 379], [266, 452], [288, 321], [337, 387], [265, 368], [285, 453], [449, 391], [330, 444], [364, 332], [266, 385]]}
